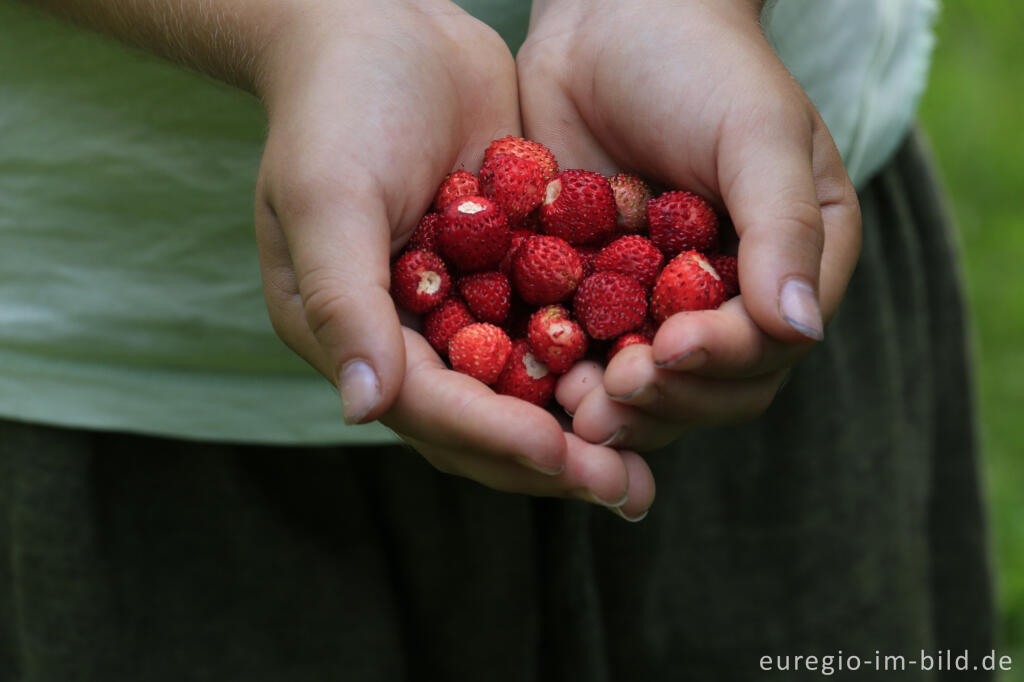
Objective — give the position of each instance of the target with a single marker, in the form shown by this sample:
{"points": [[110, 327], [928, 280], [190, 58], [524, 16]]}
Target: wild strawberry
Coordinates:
{"points": [[609, 304], [630, 339], [546, 270], [424, 237], [441, 323], [555, 339], [461, 183], [634, 256], [488, 295], [681, 221], [726, 267], [419, 281], [631, 197], [517, 239], [578, 207], [524, 149], [515, 184], [526, 377], [479, 350], [475, 234], [688, 282]]}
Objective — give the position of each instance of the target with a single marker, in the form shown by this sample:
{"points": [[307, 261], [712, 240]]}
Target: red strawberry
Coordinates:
{"points": [[546, 270], [442, 322], [461, 183], [488, 295], [517, 239], [479, 350], [525, 377], [609, 304], [579, 207], [425, 235], [419, 281], [688, 282], [631, 197], [474, 235], [524, 149], [630, 339], [515, 184], [726, 266], [681, 221], [634, 256], [555, 339]]}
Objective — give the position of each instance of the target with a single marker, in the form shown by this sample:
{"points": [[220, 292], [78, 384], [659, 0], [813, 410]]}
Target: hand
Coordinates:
{"points": [[368, 109], [691, 94]]}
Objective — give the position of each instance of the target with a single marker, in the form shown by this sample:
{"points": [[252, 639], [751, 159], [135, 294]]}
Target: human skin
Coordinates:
{"points": [[369, 105], [690, 93]]}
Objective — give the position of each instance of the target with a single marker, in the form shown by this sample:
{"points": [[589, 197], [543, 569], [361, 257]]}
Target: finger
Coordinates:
{"points": [[634, 380], [608, 423], [723, 343], [641, 488], [576, 383], [339, 253], [768, 187], [454, 411], [840, 211], [594, 474]]}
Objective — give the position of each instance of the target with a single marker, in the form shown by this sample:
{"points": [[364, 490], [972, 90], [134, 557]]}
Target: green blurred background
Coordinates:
{"points": [[973, 112]]}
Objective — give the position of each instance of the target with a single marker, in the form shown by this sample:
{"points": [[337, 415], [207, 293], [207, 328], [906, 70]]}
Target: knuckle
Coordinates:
{"points": [[800, 224], [325, 297]]}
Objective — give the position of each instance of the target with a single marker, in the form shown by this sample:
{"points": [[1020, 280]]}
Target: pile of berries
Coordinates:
{"points": [[521, 270]]}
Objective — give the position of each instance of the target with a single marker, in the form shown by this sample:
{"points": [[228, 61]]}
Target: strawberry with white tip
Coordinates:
{"points": [[687, 283], [579, 207], [526, 377], [555, 339], [475, 234], [419, 281]]}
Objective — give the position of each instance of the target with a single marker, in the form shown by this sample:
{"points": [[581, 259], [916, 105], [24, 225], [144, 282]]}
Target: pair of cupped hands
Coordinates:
{"points": [[370, 108]]}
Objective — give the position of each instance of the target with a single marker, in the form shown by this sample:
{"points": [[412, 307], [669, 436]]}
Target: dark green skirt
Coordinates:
{"points": [[846, 521]]}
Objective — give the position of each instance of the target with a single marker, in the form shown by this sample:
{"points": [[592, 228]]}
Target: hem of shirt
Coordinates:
{"points": [[188, 404]]}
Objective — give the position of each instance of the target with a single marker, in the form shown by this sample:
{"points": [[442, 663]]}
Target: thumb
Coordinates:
{"points": [[341, 318], [768, 186]]}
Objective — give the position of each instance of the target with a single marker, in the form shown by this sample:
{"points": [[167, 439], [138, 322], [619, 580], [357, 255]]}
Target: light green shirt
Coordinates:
{"points": [[130, 295]]}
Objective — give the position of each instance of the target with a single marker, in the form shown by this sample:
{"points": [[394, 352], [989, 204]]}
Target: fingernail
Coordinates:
{"points": [[632, 519], [571, 415], [530, 464], [685, 361], [360, 390], [591, 497], [798, 304], [640, 392], [616, 437]]}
